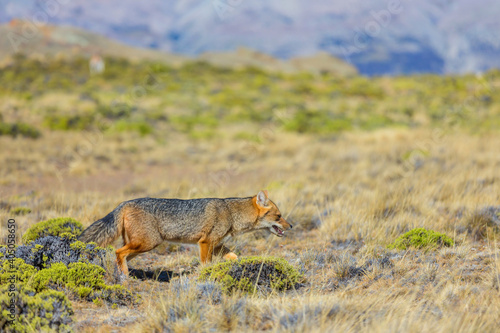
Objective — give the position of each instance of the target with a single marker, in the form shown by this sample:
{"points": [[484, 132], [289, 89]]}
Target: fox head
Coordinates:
{"points": [[269, 216]]}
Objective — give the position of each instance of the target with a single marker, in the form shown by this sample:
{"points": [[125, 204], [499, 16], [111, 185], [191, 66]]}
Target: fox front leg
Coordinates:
{"points": [[206, 250]]}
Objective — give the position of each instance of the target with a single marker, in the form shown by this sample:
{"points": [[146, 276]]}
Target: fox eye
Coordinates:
{"points": [[278, 217]]}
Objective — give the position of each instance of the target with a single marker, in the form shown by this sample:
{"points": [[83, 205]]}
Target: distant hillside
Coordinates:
{"points": [[376, 36], [69, 41], [242, 57]]}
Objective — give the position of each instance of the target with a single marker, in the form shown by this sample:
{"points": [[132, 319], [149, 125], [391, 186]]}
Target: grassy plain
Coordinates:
{"points": [[353, 163]]}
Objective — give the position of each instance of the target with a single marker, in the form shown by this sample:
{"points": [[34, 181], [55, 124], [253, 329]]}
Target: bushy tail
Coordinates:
{"points": [[104, 231]]}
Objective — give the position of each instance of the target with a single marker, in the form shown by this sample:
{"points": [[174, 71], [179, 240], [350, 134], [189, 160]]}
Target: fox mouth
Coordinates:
{"points": [[277, 231]]}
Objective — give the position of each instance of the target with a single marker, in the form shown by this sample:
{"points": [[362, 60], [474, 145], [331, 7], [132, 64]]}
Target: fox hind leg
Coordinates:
{"points": [[129, 251], [140, 235], [122, 254]]}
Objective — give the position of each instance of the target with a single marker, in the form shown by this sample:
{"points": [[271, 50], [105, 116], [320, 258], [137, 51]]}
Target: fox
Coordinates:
{"points": [[145, 223]]}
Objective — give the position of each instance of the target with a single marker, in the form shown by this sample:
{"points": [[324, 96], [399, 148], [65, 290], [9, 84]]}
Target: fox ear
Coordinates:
{"points": [[262, 199]]}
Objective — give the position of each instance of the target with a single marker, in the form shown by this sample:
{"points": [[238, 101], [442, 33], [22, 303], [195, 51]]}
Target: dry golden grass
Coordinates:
{"points": [[348, 196]]}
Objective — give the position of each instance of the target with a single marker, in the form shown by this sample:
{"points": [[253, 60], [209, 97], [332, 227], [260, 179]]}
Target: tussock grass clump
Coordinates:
{"points": [[182, 310], [53, 227], [484, 223], [421, 238], [208, 292], [253, 274], [345, 267], [49, 310]]}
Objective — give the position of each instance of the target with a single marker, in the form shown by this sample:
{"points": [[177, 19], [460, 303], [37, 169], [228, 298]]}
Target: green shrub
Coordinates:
{"points": [[20, 210], [247, 136], [75, 276], [421, 238], [53, 227], [83, 281], [49, 310], [116, 110], [364, 87], [69, 122], [188, 123], [253, 274], [376, 121], [21, 129], [43, 252], [17, 269], [141, 127], [309, 121], [202, 134]]}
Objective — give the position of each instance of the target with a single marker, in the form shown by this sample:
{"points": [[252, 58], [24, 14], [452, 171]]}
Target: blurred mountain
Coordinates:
{"points": [[243, 57], [377, 36], [50, 40]]}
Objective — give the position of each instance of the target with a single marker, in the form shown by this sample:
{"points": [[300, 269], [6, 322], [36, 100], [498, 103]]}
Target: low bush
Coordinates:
{"points": [[20, 129], [138, 126], [20, 210], [49, 310], [75, 276], [80, 280], [69, 122], [421, 238], [53, 227], [311, 121], [17, 269], [253, 274], [43, 252]]}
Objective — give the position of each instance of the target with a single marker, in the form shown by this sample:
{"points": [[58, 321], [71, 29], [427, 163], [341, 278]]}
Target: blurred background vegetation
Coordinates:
{"points": [[201, 100]]}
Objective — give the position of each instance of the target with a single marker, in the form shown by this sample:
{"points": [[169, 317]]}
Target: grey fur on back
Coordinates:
{"points": [[184, 220], [172, 219], [179, 208]]}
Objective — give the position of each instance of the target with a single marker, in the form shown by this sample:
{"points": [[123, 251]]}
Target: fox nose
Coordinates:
{"points": [[291, 226]]}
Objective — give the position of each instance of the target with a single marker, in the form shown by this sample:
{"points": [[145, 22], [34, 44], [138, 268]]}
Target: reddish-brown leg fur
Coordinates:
{"points": [[206, 250], [138, 236]]}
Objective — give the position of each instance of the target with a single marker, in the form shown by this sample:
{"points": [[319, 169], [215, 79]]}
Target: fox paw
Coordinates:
{"points": [[231, 256]]}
